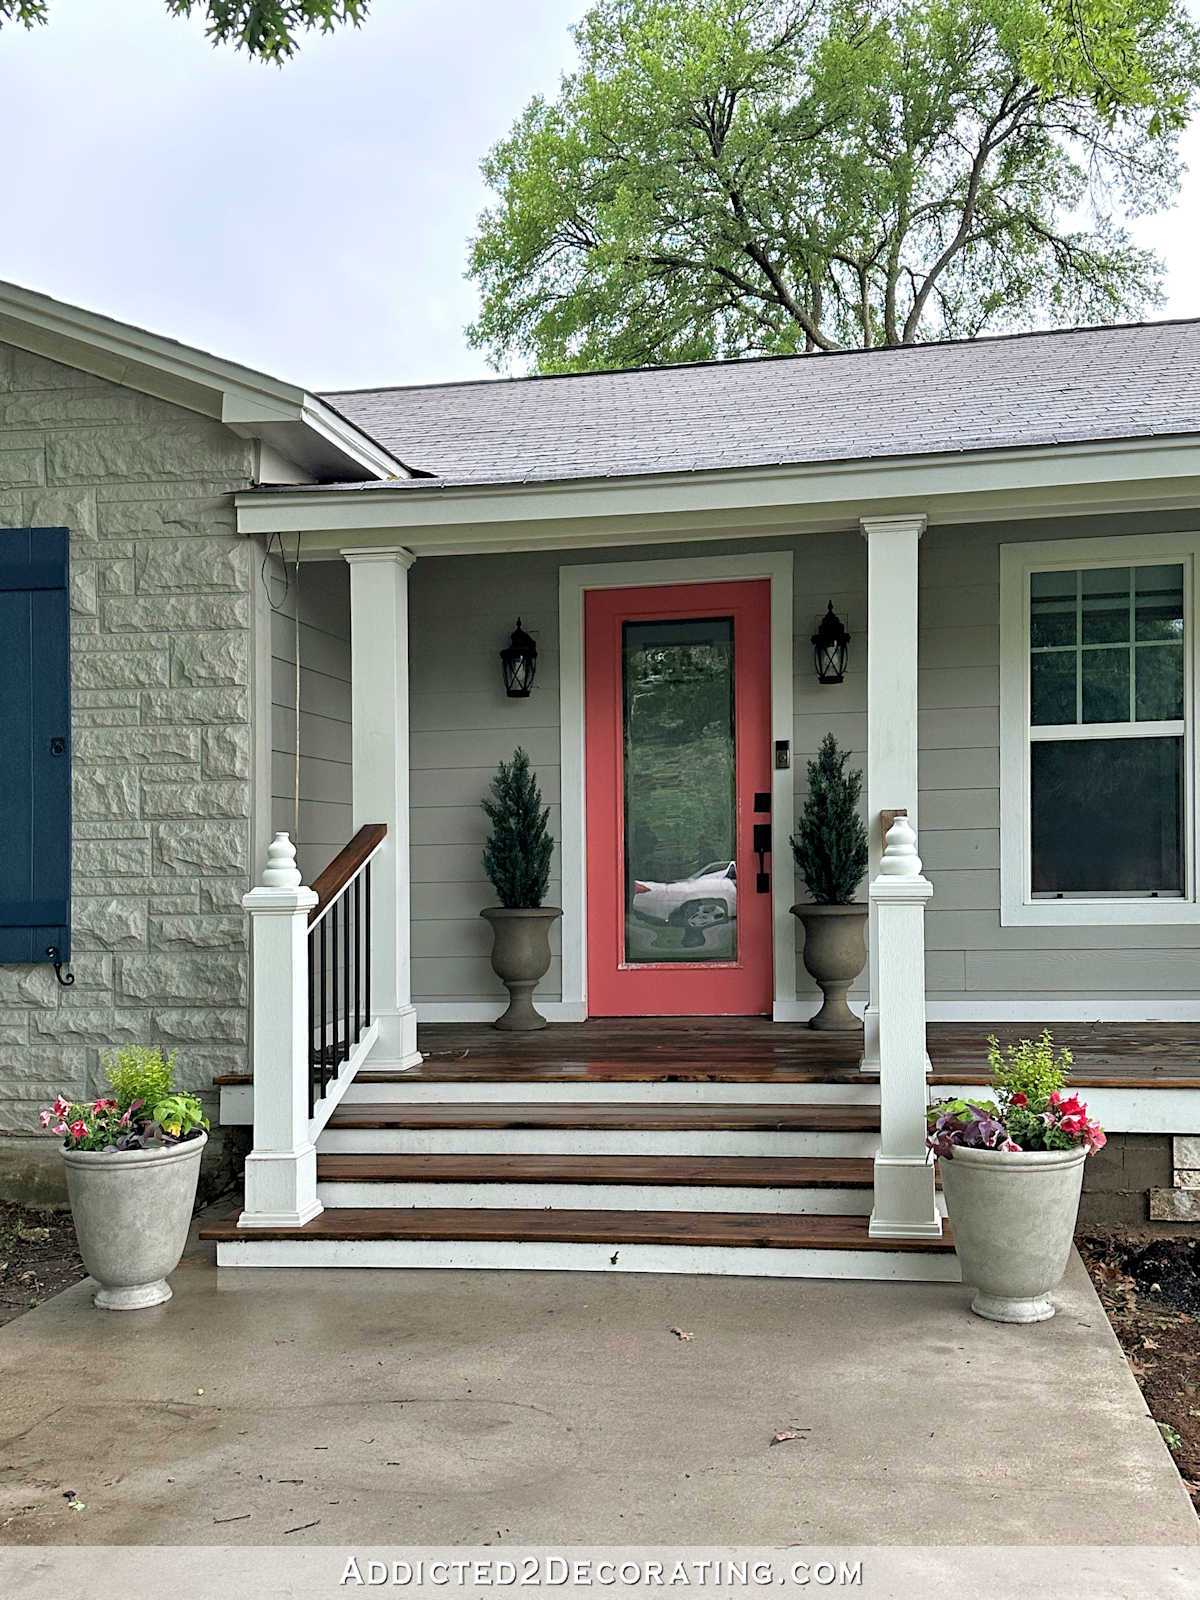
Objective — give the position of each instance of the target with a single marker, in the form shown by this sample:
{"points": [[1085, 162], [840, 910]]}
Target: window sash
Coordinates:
{"points": [[1018, 736]]}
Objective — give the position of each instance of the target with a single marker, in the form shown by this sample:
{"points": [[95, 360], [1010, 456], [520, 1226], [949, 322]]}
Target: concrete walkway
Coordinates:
{"points": [[434, 1408]]}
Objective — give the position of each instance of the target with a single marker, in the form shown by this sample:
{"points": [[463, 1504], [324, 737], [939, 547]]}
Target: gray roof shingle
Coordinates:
{"points": [[1000, 393]]}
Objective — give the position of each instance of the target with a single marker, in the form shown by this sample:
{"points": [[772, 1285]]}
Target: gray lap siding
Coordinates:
{"points": [[462, 609]]}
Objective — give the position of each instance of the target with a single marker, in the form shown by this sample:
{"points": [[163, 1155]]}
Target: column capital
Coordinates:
{"points": [[383, 552], [910, 522]]}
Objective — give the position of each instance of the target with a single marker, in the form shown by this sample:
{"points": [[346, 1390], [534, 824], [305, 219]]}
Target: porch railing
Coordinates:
{"points": [[311, 1021], [905, 1201], [339, 960]]}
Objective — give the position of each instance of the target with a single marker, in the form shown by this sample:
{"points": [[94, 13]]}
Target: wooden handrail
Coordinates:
{"points": [[329, 884]]}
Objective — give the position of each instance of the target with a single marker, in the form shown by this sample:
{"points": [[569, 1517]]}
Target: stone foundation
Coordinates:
{"points": [[1118, 1181], [1181, 1202]]}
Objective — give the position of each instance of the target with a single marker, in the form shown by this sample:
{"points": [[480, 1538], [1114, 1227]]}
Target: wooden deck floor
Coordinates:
{"points": [[749, 1049]]}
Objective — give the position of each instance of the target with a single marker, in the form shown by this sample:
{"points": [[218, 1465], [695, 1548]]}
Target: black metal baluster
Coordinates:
{"points": [[358, 959], [367, 974], [345, 1034], [312, 1028], [333, 994], [324, 927]]}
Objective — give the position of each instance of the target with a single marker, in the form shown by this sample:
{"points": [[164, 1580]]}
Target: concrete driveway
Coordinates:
{"points": [[282, 1407]]}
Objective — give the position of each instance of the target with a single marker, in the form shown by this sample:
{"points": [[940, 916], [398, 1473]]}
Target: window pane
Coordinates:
{"points": [[1052, 608], [1053, 686], [680, 809], [1159, 682], [1105, 685], [1159, 600], [1107, 816], [1105, 607]]}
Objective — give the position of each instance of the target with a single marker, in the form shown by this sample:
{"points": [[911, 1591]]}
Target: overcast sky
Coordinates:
{"points": [[310, 221]]}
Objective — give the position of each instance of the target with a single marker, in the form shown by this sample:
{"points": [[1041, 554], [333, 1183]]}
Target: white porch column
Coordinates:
{"points": [[281, 1170], [379, 670], [905, 1201], [891, 709]]}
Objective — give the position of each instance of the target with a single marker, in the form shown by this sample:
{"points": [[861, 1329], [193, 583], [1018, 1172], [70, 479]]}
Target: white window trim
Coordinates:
{"points": [[1017, 906]]}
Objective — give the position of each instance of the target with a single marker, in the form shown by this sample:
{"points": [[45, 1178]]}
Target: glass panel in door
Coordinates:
{"points": [[680, 824]]}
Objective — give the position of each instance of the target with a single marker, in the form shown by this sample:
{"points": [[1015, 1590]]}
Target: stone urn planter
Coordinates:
{"points": [[835, 952], [520, 959], [1012, 1216], [132, 1210]]}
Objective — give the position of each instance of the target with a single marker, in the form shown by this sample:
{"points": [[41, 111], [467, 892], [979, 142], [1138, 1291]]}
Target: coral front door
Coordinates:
{"points": [[678, 763]]}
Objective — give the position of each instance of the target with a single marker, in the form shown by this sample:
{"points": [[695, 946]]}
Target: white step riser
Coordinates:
{"points": [[507, 1256], [591, 1141], [597, 1197], [415, 1093]]}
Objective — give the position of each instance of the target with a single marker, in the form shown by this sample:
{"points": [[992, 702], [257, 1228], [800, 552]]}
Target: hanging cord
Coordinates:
{"points": [[275, 546]]}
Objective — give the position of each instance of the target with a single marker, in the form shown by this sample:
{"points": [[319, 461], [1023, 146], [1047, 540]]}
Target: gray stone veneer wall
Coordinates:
{"points": [[161, 687]]}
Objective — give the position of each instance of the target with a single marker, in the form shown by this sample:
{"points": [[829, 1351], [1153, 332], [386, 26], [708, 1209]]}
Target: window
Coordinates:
{"points": [[1096, 738]]}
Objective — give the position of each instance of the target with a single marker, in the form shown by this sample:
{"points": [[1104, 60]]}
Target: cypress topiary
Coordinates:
{"points": [[830, 845], [517, 856]]}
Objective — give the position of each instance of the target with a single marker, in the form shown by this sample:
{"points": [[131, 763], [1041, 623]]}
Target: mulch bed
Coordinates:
{"points": [[38, 1257], [1150, 1287]]}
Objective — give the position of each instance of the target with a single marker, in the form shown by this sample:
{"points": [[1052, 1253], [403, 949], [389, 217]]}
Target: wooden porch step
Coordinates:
{"points": [[748, 1172], [771, 1118], [739, 1230]]}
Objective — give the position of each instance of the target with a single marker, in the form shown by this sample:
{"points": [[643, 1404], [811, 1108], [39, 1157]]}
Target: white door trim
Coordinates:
{"points": [[573, 584]]}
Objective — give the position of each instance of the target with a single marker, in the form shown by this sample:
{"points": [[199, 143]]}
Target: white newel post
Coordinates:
{"points": [[905, 1200], [281, 1170], [892, 544], [379, 673]]}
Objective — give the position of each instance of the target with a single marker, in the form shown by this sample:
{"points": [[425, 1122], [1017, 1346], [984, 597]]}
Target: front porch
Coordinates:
{"points": [[394, 1127], [727, 1146]]}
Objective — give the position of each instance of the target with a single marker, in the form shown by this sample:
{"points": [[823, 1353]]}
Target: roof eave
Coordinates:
{"points": [[304, 428], [432, 515]]}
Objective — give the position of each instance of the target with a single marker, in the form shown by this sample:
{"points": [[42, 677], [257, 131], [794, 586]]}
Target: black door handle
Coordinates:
{"points": [[762, 849]]}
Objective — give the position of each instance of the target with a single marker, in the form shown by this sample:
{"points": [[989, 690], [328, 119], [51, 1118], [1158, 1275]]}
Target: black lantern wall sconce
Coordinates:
{"points": [[830, 644], [519, 662]]}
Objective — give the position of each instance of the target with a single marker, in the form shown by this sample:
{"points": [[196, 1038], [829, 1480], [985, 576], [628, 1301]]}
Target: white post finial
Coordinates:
{"points": [[281, 871], [900, 858]]}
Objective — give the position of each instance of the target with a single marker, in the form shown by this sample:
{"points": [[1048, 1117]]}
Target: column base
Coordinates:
{"points": [[905, 1199], [397, 1043], [281, 1188], [870, 1055]]}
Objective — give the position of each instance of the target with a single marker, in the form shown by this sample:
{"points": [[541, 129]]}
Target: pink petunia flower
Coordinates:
{"points": [[1020, 1100], [47, 1117], [78, 1130], [61, 1107], [61, 1130]]}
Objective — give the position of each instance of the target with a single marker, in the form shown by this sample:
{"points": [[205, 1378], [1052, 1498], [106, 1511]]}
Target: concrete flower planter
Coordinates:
{"points": [[520, 958], [1012, 1215], [132, 1209], [835, 952]]}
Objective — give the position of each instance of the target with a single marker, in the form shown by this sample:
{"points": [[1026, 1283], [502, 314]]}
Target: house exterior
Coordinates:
{"points": [[285, 617]]}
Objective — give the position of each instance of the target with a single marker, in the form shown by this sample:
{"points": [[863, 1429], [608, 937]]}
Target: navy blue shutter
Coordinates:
{"points": [[35, 745]]}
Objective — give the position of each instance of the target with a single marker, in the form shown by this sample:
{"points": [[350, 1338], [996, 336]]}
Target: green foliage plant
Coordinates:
{"points": [[265, 29], [830, 845], [139, 1072], [516, 857]]}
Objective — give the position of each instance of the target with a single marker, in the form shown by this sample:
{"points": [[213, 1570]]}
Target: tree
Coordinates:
{"points": [[737, 177], [517, 854], [830, 845], [267, 29]]}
